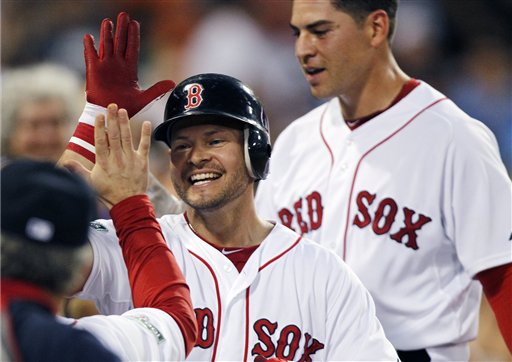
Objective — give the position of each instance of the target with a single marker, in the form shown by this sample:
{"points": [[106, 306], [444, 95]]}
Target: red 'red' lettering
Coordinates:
{"points": [[206, 331], [286, 217], [298, 212], [288, 342], [392, 208], [310, 348], [362, 198], [264, 329], [315, 210], [194, 98], [410, 228]]}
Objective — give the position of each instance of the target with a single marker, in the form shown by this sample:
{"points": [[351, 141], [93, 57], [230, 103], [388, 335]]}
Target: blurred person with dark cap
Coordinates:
{"points": [[45, 217]]}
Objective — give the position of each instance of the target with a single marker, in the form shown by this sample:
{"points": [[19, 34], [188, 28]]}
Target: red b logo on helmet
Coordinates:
{"points": [[194, 98]]}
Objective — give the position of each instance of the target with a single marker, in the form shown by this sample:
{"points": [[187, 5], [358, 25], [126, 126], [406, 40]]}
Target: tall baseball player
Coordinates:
{"points": [[390, 174]]}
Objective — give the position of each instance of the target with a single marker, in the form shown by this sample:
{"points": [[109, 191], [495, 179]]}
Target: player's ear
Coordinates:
{"points": [[377, 24]]}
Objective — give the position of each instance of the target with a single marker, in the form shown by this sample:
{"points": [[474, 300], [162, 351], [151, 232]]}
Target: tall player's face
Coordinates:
{"points": [[207, 165], [332, 49]]}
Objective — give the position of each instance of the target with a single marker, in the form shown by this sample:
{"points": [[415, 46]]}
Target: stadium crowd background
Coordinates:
{"points": [[461, 47]]}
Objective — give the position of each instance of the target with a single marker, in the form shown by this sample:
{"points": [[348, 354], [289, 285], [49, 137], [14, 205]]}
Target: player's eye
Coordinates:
{"points": [[320, 33], [216, 142], [177, 146]]}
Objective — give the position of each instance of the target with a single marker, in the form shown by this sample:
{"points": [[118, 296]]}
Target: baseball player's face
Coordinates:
{"points": [[333, 51], [207, 165]]}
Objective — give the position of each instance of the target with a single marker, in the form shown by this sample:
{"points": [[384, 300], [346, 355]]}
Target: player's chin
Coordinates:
{"points": [[320, 92], [204, 202]]}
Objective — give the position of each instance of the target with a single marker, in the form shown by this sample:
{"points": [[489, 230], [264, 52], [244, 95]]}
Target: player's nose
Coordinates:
{"points": [[199, 155], [304, 46]]}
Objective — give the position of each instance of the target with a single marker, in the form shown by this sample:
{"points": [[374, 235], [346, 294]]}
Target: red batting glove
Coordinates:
{"points": [[111, 74], [111, 77]]}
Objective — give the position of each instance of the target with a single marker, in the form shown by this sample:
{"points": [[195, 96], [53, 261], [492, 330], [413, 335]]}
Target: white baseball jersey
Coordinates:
{"points": [[141, 334], [293, 299], [416, 201]]}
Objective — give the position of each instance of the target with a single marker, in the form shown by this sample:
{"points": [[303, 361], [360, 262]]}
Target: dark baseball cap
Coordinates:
{"points": [[45, 204]]}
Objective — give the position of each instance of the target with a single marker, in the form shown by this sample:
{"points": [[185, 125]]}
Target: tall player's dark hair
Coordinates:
{"points": [[359, 10]]}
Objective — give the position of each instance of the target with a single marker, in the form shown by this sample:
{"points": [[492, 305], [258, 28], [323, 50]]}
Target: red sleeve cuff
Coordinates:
{"points": [[497, 285]]}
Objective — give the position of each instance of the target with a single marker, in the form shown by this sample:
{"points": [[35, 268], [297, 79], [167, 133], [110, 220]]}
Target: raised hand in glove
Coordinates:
{"points": [[111, 77], [111, 73]]}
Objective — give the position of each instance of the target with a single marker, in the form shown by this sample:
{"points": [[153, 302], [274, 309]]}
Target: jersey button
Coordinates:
{"points": [[228, 267]]}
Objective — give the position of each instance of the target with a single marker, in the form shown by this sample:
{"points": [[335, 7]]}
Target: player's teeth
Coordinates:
{"points": [[202, 178]]}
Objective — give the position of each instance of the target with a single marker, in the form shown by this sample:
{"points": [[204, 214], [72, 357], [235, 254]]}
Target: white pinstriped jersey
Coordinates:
{"points": [[416, 201], [293, 299], [153, 335]]}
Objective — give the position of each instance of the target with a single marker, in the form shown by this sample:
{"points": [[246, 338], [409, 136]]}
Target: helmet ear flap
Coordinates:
{"points": [[257, 150]]}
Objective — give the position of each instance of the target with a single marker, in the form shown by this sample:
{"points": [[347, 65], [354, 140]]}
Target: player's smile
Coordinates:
{"points": [[204, 178]]}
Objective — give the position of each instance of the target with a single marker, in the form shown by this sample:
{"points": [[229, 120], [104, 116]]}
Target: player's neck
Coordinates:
{"points": [[234, 225], [376, 93]]}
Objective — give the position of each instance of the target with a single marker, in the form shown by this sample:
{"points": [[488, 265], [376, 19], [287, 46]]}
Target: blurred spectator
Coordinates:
{"points": [[40, 104]]}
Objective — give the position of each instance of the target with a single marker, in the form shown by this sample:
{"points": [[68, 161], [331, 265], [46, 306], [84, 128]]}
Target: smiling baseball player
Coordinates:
{"points": [[277, 296]]}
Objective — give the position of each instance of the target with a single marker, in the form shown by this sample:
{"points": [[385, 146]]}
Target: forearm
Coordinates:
{"points": [[155, 277], [497, 285]]}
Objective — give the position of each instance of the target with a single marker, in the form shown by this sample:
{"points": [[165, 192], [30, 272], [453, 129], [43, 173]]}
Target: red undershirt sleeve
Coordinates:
{"points": [[155, 278], [497, 285]]}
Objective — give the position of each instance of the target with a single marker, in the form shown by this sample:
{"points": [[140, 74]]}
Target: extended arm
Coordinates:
{"points": [[120, 176]]}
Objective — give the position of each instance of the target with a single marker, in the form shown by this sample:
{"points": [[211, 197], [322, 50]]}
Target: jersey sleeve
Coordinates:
{"points": [[155, 277], [108, 285], [141, 334], [478, 193], [354, 331]]}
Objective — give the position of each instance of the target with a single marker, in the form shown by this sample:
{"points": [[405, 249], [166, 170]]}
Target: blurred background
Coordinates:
{"points": [[461, 47]]}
